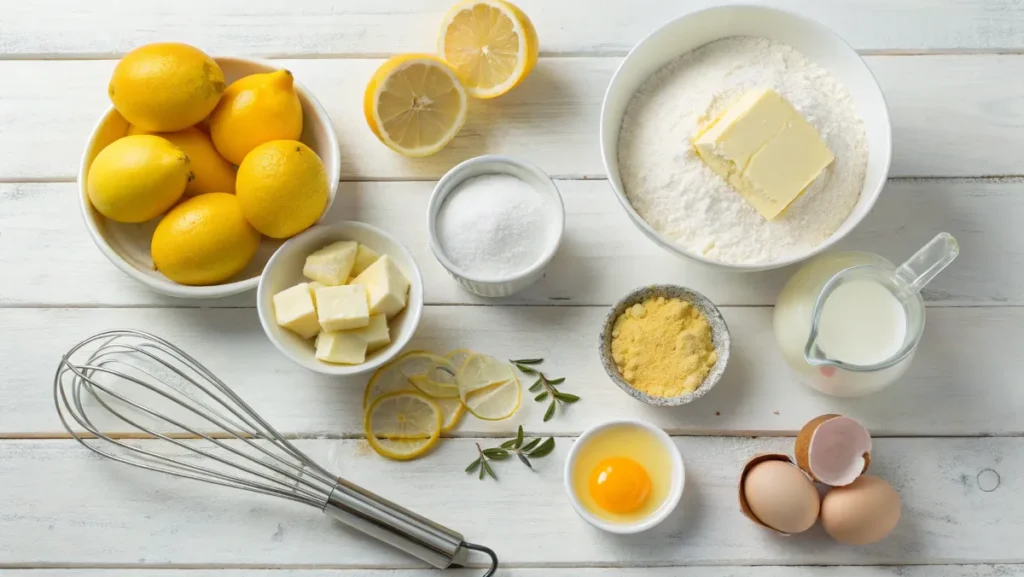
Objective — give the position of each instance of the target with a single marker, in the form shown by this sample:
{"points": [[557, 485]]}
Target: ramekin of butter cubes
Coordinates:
{"points": [[341, 299]]}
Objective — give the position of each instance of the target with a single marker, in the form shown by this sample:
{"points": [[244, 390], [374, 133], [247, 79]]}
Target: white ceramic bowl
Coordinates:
{"points": [[496, 164], [285, 270], [659, 515], [814, 40], [127, 245]]}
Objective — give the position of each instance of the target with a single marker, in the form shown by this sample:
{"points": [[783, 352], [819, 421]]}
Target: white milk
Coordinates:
{"points": [[862, 323]]}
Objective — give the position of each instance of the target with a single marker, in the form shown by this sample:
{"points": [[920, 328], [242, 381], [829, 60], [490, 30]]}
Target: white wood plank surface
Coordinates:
{"points": [[70, 28], [952, 116], [964, 380], [954, 510], [762, 571], [603, 256]]}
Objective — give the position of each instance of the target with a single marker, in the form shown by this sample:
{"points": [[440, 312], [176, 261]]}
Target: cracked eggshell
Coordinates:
{"points": [[799, 504], [834, 450]]}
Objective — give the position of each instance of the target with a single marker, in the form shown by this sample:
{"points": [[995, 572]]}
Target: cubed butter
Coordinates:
{"points": [[295, 311], [376, 334], [341, 347], [313, 285], [386, 287], [332, 264], [342, 307], [765, 150], [365, 256]]}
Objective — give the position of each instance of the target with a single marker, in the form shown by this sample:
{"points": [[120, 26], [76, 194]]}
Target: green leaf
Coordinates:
{"points": [[565, 397], [496, 454], [541, 396], [529, 446], [508, 444], [525, 461], [519, 438], [489, 471], [527, 361], [543, 450], [538, 385], [557, 381], [473, 466], [483, 470], [525, 369], [550, 412]]}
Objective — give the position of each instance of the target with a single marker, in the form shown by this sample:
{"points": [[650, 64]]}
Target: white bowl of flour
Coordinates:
{"points": [[686, 73]]}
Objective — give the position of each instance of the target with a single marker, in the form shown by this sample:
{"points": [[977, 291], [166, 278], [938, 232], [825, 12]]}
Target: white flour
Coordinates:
{"points": [[680, 197]]}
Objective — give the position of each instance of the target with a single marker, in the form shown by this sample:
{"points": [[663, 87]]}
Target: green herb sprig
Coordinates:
{"points": [[518, 446], [544, 387]]}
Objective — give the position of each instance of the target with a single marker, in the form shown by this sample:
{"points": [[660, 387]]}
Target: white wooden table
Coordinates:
{"points": [[948, 436]]}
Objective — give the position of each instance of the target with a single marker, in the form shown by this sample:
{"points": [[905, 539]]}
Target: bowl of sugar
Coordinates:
{"points": [[495, 222]]}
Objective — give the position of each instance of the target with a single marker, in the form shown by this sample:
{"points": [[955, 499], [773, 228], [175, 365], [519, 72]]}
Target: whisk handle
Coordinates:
{"points": [[394, 524]]}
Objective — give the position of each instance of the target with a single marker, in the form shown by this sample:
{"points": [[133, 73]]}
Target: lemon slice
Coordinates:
{"points": [[491, 44], [432, 375], [403, 425], [458, 357], [415, 104], [452, 411], [488, 387], [388, 379]]}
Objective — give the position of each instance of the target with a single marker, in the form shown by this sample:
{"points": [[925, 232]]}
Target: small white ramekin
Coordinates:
{"points": [[495, 164], [674, 495]]}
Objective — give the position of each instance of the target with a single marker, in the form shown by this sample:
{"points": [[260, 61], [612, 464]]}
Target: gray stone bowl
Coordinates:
{"points": [[719, 335]]}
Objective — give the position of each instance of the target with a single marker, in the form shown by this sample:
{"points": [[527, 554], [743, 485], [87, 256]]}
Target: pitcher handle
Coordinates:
{"points": [[929, 261]]}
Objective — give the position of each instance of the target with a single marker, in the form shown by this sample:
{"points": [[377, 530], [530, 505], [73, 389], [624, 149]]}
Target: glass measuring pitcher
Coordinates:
{"points": [[848, 323]]}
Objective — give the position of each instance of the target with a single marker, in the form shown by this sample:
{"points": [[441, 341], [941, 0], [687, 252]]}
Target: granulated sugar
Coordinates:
{"points": [[680, 197]]}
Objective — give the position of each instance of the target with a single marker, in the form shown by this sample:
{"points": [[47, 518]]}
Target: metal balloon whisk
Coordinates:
{"points": [[184, 421]]}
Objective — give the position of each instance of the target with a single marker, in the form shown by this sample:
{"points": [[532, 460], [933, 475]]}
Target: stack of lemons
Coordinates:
{"points": [[188, 132], [416, 103]]}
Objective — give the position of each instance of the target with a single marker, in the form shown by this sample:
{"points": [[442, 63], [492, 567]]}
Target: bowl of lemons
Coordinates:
{"points": [[203, 167]]}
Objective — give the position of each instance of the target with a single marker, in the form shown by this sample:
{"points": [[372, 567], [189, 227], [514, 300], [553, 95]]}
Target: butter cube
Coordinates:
{"points": [[332, 264], [365, 256], [341, 347], [765, 150], [295, 311], [342, 307], [386, 287], [313, 285], [376, 334]]}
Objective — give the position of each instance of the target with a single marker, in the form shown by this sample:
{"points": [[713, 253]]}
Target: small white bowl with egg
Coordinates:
{"points": [[624, 476], [127, 246], [547, 212], [692, 31], [285, 270]]}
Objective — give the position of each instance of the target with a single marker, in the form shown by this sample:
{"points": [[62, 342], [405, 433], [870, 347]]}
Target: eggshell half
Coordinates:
{"points": [[798, 505], [833, 449], [861, 513]]}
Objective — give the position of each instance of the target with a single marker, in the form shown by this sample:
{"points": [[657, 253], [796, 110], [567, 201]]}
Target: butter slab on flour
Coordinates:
{"points": [[765, 150]]}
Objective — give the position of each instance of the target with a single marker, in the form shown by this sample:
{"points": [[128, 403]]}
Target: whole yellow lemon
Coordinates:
{"points": [[204, 240], [212, 172], [136, 178], [166, 87], [256, 109], [282, 187]]}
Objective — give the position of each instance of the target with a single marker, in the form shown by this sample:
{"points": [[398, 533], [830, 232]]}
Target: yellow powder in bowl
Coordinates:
{"points": [[663, 347]]}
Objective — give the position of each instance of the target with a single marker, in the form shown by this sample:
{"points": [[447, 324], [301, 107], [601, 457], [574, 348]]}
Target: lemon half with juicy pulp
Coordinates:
{"points": [[415, 104], [403, 425], [491, 44]]}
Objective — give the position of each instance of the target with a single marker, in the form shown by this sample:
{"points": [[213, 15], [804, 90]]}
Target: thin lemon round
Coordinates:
{"points": [[452, 411], [388, 379], [434, 376], [488, 387], [458, 357], [491, 44], [415, 104], [403, 425]]}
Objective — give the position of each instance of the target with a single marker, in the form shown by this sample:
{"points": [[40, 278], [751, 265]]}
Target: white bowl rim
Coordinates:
{"points": [[443, 188], [169, 287], [674, 248], [341, 370], [659, 515]]}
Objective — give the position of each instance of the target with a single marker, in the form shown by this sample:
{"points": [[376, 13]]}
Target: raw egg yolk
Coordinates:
{"points": [[619, 485]]}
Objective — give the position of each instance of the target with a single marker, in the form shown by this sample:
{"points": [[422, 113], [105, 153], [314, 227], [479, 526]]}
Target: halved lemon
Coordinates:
{"points": [[491, 44], [488, 387], [403, 425], [415, 104]]}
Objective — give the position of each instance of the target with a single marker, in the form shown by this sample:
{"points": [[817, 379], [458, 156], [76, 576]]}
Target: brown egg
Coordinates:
{"points": [[781, 496], [862, 512]]}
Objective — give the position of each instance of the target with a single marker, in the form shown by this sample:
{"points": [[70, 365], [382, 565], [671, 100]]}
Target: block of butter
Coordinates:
{"points": [[343, 307], [365, 256], [376, 334], [341, 347], [765, 150], [386, 287], [332, 264], [294, 310]]}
